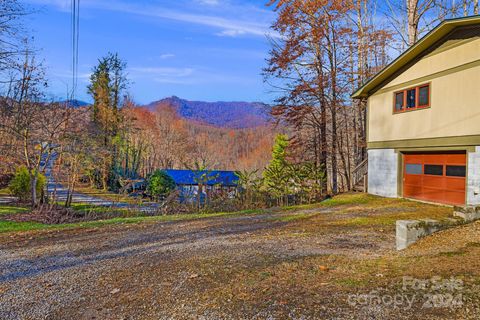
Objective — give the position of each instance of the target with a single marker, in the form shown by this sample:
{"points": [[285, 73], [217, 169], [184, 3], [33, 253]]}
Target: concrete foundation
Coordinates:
{"points": [[468, 214], [473, 178], [409, 231], [383, 172]]}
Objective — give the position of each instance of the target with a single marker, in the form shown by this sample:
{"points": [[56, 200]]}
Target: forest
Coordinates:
{"points": [[312, 147]]}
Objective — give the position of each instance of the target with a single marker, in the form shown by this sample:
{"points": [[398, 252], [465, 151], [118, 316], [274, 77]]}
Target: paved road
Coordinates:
{"points": [[7, 199], [60, 192]]}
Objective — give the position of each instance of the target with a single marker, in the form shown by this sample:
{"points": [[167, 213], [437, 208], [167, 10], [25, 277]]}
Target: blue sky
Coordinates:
{"points": [[196, 49]]}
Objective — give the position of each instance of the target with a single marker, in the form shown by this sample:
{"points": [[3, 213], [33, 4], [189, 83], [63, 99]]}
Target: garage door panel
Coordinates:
{"points": [[436, 177], [453, 197], [433, 159], [413, 179], [434, 182], [456, 159], [434, 195], [414, 158], [456, 184], [413, 191]]}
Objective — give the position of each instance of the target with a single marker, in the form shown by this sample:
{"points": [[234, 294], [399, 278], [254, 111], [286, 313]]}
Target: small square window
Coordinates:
{"points": [[411, 98], [433, 169], [399, 101], [413, 169], [423, 96], [456, 171]]}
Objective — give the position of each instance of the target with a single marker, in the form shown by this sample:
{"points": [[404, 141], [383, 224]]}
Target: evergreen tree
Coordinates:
{"points": [[160, 184], [108, 81], [278, 174]]}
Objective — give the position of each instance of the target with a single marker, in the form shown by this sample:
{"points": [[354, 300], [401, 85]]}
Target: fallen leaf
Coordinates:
{"points": [[323, 268]]}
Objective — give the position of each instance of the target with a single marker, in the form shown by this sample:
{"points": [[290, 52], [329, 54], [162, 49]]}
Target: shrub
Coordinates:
{"points": [[20, 184], [5, 180], [160, 184]]}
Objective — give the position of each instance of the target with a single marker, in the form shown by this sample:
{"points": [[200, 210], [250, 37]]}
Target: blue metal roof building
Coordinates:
{"points": [[210, 178]]}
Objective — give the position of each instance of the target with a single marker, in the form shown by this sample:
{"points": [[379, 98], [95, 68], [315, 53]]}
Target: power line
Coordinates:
{"points": [[75, 28]]}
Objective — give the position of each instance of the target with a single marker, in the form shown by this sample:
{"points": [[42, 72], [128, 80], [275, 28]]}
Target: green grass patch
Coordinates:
{"points": [[10, 226], [12, 210], [348, 198]]}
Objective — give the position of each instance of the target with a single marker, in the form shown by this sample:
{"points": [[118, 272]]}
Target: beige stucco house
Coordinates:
{"points": [[423, 119]]}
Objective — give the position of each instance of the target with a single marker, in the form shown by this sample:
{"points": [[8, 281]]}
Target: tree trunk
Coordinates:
{"points": [[71, 185], [33, 187], [412, 17]]}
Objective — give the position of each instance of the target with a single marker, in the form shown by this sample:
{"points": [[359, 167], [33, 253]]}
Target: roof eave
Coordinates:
{"points": [[418, 48]]}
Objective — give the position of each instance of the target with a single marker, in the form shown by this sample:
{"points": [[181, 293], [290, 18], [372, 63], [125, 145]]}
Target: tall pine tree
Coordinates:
{"points": [[108, 81], [277, 176]]}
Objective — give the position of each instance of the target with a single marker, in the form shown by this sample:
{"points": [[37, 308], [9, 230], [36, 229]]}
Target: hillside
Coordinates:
{"points": [[234, 115], [178, 142]]}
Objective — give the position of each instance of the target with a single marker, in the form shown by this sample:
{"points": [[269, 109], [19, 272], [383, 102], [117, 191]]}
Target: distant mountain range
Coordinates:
{"points": [[76, 103], [235, 115]]}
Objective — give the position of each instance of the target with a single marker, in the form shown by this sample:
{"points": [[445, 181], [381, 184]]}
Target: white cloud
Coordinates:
{"points": [[167, 56], [209, 2], [231, 20], [231, 33], [230, 26]]}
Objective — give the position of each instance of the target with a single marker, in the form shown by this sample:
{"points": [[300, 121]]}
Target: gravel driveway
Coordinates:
{"points": [[85, 273], [298, 265]]}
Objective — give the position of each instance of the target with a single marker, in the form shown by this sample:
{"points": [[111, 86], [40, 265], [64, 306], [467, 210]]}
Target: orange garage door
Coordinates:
{"points": [[436, 177]]}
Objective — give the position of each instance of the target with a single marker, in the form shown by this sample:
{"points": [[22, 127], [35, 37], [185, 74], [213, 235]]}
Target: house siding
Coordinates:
{"points": [[450, 64], [454, 75]]}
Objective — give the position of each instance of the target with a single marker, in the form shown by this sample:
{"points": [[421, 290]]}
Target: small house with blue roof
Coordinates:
{"points": [[191, 182]]}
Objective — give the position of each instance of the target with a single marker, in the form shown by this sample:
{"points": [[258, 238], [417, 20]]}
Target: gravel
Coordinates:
{"points": [[164, 270]]}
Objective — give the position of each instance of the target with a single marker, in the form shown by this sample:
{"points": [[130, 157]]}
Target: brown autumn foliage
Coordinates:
{"points": [[172, 142], [325, 50]]}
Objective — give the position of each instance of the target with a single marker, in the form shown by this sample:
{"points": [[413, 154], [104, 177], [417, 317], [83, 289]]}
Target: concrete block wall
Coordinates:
{"points": [[410, 231], [473, 178], [383, 172]]}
